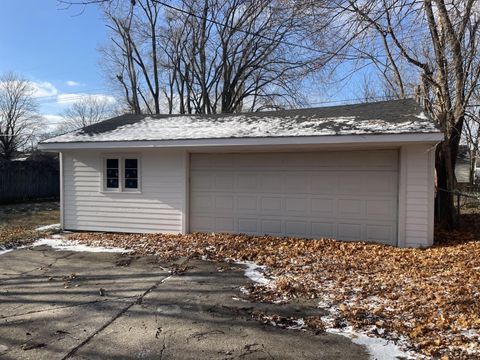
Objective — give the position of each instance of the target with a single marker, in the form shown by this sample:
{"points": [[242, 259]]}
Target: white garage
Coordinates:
{"points": [[352, 172], [344, 195]]}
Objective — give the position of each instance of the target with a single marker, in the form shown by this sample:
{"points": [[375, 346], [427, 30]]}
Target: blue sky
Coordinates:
{"points": [[57, 49]]}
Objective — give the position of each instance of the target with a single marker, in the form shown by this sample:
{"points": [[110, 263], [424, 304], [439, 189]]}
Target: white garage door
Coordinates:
{"points": [[344, 195]]}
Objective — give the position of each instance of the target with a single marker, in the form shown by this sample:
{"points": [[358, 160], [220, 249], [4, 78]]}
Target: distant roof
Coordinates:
{"points": [[385, 117], [463, 154]]}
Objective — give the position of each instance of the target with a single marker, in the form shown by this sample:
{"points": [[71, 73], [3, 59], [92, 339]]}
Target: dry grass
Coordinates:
{"points": [[429, 297], [19, 221]]}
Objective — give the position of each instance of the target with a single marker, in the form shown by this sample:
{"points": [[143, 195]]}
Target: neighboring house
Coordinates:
{"points": [[462, 167], [353, 172]]}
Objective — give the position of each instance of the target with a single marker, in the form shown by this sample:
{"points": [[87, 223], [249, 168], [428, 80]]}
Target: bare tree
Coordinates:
{"points": [[87, 111], [434, 39], [208, 56], [18, 114], [134, 29], [471, 134], [119, 63]]}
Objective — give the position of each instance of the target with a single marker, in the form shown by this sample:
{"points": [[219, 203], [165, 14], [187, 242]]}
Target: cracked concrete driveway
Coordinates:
{"points": [[62, 305]]}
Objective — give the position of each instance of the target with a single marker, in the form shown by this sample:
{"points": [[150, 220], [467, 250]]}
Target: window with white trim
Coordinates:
{"points": [[112, 173], [121, 173], [131, 173]]}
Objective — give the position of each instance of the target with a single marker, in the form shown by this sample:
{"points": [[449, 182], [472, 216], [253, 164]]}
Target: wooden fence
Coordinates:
{"points": [[29, 180]]}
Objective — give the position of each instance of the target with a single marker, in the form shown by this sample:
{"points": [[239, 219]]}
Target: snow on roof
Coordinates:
{"points": [[387, 117]]}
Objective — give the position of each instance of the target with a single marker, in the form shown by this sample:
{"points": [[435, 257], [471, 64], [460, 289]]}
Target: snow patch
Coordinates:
{"points": [[48, 227], [67, 245], [422, 116], [235, 298], [255, 272], [4, 251], [378, 348], [299, 325], [250, 126]]}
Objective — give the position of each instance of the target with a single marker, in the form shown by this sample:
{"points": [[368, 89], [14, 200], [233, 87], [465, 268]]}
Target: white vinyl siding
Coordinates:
{"points": [[347, 195], [418, 174], [158, 206], [377, 195]]}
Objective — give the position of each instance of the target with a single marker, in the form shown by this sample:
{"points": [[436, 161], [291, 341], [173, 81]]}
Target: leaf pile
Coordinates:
{"points": [[17, 235], [12, 236], [19, 221], [429, 298]]}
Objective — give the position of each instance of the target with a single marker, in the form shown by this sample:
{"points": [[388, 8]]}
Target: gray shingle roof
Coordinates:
{"points": [[386, 117]]}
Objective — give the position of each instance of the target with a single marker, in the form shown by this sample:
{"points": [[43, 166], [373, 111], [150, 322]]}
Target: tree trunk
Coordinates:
{"points": [[7, 148], [473, 162], [446, 213]]}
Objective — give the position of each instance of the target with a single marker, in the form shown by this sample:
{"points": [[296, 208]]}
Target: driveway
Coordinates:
{"points": [[83, 305]]}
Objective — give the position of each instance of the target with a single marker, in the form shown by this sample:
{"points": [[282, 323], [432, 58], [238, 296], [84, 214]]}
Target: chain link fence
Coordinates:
{"points": [[467, 199], [467, 205]]}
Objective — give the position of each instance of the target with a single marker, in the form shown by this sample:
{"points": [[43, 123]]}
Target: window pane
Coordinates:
{"points": [[112, 163], [130, 173], [131, 183], [131, 163], [112, 173], [112, 183]]}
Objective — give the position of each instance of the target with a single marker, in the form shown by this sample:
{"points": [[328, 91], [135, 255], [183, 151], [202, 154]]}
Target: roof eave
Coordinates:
{"points": [[432, 137]]}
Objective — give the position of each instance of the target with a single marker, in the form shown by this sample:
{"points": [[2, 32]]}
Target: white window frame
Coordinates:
{"points": [[121, 174]]}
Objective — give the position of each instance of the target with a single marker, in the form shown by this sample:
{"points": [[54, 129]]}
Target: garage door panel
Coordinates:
{"points": [[297, 194], [224, 202], [296, 228], [384, 208], [245, 202], [271, 203], [202, 223], [201, 202], [224, 224], [297, 183], [322, 206], [212, 161], [349, 231], [350, 182], [271, 226], [323, 183], [380, 159], [247, 181], [224, 182], [323, 229], [271, 182], [351, 208], [379, 233], [201, 181], [248, 226], [296, 205], [379, 182]]}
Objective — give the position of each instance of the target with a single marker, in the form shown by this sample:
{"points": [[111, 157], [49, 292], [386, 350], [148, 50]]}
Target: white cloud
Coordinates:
{"points": [[74, 97], [39, 89], [43, 89], [72, 83], [52, 119]]}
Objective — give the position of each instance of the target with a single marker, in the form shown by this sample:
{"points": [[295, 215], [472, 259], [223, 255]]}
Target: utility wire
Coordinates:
{"points": [[247, 32]]}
